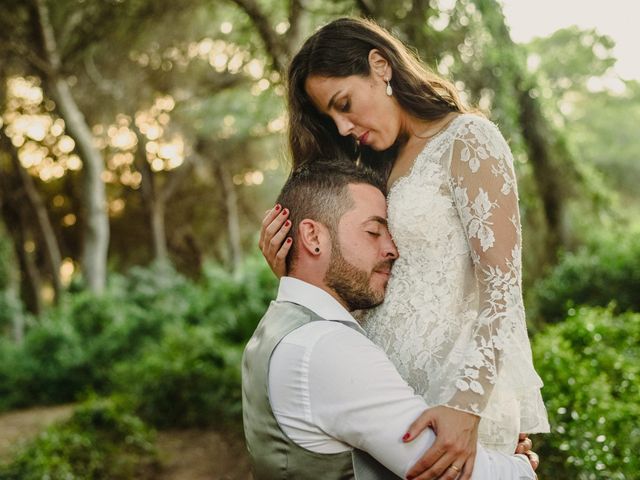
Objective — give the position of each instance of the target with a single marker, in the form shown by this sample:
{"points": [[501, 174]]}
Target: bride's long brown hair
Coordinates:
{"points": [[340, 49]]}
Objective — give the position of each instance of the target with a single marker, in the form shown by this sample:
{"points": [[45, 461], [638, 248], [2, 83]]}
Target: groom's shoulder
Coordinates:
{"points": [[310, 334]]}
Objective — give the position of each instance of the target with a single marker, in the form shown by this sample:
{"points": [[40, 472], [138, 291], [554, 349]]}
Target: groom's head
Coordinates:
{"points": [[339, 230]]}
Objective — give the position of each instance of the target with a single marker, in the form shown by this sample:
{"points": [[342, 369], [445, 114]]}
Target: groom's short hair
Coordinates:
{"points": [[317, 190]]}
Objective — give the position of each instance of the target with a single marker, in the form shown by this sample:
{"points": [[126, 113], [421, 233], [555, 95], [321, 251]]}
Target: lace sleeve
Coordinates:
{"points": [[484, 188]]}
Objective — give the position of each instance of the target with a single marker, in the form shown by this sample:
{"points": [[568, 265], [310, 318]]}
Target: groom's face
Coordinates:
{"points": [[362, 250]]}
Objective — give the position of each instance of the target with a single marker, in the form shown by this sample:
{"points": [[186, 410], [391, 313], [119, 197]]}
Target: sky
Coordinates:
{"points": [[620, 19]]}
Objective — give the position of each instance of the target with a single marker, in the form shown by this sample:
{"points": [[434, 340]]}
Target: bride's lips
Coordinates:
{"points": [[362, 139]]}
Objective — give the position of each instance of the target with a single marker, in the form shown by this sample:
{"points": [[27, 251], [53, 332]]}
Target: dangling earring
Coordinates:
{"points": [[389, 89]]}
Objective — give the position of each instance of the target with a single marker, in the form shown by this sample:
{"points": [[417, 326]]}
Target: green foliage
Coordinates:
{"points": [[190, 379], [578, 56], [607, 270], [73, 347], [233, 304], [101, 441], [591, 368], [177, 344]]}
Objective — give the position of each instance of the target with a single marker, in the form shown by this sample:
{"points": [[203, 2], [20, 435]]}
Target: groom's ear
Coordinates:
{"points": [[313, 237]]}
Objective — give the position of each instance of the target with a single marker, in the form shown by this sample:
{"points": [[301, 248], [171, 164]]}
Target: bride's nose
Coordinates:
{"points": [[345, 127]]}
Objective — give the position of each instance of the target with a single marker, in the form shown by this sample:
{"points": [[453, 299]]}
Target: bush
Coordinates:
{"points": [[606, 271], [191, 378], [101, 441], [233, 304], [72, 348], [591, 368]]}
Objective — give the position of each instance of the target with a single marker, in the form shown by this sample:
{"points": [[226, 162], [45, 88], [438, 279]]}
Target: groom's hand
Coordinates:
{"points": [[453, 454]]}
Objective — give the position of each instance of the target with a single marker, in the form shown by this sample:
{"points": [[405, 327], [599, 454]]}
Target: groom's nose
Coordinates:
{"points": [[390, 251]]}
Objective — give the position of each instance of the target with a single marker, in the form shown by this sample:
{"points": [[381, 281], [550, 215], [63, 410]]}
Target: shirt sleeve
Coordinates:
{"points": [[484, 188], [358, 397]]}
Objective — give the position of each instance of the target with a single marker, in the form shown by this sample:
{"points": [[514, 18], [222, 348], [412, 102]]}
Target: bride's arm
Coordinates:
{"points": [[483, 184], [484, 187]]}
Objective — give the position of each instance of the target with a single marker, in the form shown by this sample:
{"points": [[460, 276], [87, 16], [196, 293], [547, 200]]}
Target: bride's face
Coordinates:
{"points": [[359, 106]]}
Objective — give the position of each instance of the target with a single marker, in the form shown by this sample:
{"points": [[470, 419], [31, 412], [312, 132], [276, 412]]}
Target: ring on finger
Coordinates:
{"points": [[457, 469]]}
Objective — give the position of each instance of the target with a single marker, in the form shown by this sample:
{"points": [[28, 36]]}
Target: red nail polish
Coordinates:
{"points": [[406, 437], [287, 223], [289, 240], [278, 207], [284, 212]]}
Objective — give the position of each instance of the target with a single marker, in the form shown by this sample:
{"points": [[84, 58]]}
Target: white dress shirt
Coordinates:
{"points": [[332, 389]]}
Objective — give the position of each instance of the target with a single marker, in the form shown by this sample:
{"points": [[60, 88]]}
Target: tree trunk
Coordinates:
{"points": [[548, 181], [551, 161], [51, 248], [31, 280], [158, 232], [15, 221], [96, 220], [231, 212], [154, 201], [12, 207]]}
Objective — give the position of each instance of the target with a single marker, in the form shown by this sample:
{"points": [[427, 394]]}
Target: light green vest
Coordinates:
{"points": [[273, 454]]}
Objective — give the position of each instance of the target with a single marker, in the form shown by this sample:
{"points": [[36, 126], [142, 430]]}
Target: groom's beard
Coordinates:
{"points": [[352, 284]]}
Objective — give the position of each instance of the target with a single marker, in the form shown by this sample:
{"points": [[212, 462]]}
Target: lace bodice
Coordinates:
{"points": [[453, 320]]}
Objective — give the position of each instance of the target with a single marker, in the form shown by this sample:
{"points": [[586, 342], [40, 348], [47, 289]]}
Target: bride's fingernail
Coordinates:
{"points": [[277, 207], [406, 437], [287, 223]]}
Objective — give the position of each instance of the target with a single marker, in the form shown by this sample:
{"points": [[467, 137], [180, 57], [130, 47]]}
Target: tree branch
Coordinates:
{"points": [[366, 9], [48, 36], [270, 37], [176, 177], [293, 35], [31, 57]]}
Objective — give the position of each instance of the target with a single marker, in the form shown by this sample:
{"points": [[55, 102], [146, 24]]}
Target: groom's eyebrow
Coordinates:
{"points": [[376, 218]]}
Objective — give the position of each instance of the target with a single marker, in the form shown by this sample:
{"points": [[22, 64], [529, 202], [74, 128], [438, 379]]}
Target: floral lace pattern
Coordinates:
{"points": [[453, 320]]}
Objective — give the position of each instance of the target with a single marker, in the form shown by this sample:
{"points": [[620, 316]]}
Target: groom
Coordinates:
{"points": [[320, 400]]}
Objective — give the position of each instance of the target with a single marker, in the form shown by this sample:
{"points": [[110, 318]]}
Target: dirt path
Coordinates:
{"points": [[23, 425], [184, 454], [202, 455]]}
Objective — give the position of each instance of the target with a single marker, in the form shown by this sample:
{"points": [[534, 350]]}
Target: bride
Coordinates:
{"points": [[453, 320]]}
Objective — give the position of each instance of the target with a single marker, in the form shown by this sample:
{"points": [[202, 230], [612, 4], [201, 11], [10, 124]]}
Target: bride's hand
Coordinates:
{"points": [[274, 243], [453, 454], [525, 447]]}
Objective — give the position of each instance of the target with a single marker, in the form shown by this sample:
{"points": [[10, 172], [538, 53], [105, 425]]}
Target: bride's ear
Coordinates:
{"points": [[379, 65]]}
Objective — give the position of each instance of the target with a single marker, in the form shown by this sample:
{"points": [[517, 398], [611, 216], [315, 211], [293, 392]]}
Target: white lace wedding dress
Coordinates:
{"points": [[453, 320]]}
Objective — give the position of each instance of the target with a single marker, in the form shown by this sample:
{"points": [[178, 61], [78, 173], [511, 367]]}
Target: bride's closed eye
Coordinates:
{"points": [[344, 108]]}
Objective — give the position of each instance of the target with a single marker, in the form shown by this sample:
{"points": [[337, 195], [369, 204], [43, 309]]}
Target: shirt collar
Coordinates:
{"points": [[315, 299]]}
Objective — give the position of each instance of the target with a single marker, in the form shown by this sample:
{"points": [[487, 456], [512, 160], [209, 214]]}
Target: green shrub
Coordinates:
{"points": [[233, 304], [591, 368], [72, 348], [606, 271], [190, 379], [101, 441]]}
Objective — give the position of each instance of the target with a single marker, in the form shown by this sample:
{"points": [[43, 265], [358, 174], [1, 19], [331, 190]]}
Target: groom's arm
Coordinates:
{"points": [[358, 397]]}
